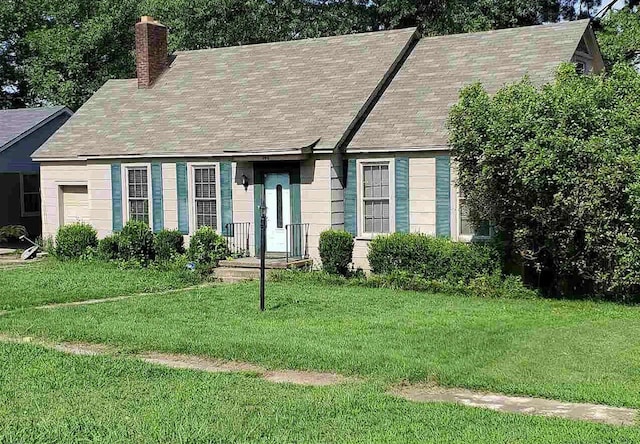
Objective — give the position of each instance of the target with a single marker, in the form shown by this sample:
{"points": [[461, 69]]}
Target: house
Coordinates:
{"points": [[22, 131], [346, 132]]}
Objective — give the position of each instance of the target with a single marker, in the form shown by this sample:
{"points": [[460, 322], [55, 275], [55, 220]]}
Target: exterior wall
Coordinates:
{"points": [[53, 175], [337, 193], [422, 199], [315, 199], [11, 206], [243, 199], [170, 195], [17, 158]]}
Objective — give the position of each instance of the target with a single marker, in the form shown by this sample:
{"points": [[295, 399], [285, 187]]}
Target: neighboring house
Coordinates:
{"points": [[344, 132], [22, 131]]}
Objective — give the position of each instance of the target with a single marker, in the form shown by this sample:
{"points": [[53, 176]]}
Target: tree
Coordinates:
{"points": [[557, 170], [619, 35], [61, 51]]}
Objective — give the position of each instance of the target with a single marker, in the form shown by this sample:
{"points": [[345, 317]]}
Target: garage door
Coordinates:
{"points": [[75, 204]]}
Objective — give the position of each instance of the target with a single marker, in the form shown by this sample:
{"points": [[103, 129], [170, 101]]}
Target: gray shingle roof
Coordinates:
{"points": [[263, 97], [14, 123], [413, 110]]}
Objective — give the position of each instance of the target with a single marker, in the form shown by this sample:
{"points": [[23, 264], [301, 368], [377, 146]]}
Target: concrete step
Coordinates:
{"points": [[229, 274]]}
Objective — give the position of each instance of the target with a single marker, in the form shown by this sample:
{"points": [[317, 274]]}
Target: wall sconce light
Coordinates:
{"points": [[245, 182]]}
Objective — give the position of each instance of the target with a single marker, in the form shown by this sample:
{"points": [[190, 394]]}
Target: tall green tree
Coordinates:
{"points": [[619, 35], [557, 170], [61, 51]]}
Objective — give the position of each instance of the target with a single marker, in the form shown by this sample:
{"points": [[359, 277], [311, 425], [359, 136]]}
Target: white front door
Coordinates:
{"points": [[276, 197]]}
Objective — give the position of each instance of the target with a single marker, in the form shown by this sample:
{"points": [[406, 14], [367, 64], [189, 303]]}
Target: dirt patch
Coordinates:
{"points": [[519, 404], [198, 363], [304, 378], [83, 348]]}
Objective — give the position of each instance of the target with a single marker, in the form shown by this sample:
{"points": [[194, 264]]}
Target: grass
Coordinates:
{"points": [[46, 396], [52, 281], [575, 351]]}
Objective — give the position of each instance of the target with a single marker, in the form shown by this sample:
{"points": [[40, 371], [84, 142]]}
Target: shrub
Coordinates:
{"points": [[75, 240], [557, 171], [432, 258], [206, 247], [12, 233], [108, 247], [135, 243], [168, 244], [336, 251]]}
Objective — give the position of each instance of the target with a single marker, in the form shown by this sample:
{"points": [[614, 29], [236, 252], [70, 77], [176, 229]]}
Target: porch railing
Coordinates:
{"points": [[237, 235], [297, 241]]}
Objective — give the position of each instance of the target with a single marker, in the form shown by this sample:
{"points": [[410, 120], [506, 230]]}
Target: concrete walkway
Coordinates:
{"points": [[198, 363], [518, 404], [617, 416]]}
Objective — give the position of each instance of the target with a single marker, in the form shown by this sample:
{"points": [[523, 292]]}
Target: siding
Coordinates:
{"points": [[315, 192], [337, 193], [422, 199], [52, 174], [243, 199]]}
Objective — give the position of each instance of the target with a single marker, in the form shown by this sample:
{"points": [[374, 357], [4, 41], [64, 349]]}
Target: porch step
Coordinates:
{"points": [[232, 274], [254, 263]]}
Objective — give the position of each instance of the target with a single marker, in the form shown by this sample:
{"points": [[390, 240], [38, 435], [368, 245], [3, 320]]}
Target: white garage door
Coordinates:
{"points": [[75, 204]]}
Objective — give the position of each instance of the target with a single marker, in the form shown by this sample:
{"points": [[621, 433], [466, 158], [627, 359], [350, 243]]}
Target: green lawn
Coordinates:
{"points": [[52, 281], [576, 351], [46, 396]]}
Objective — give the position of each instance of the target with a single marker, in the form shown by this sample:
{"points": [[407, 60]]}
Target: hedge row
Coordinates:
{"points": [[136, 243]]}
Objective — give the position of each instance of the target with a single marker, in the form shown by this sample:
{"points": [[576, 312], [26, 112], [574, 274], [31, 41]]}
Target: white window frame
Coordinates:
{"points": [[125, 194], [360, 195], [191, 166], [468, 237], [23, 212]]}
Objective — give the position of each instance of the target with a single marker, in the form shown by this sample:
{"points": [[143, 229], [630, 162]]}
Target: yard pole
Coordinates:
{"points": [[263, 248]]}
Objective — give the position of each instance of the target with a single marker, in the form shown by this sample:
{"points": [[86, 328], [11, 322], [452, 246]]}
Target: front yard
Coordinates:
{"points": [[573, 351], [52, 281]]}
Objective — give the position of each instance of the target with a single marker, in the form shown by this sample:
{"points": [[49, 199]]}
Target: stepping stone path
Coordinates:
{"points": [[519, 404], [189, 362], [417, 393]]}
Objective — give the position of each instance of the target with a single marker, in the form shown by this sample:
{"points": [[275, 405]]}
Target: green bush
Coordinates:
{"points": [[12, 233], [336, 251], [206, 247], [432, 258], [108, 247], [75, 240], [168, 244], [135, 243]]}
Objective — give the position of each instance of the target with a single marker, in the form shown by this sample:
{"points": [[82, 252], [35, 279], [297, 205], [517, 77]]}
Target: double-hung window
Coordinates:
{"points": [[205, 197], [30, 194], [376, 198], [138, 193], [466, 229]]}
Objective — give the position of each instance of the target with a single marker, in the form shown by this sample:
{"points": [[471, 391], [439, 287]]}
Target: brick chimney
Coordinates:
{"points": [[151, 51]]}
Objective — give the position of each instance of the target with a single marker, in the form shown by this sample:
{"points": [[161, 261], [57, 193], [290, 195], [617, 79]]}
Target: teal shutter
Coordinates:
{"points": [[350, 199], [183, 199], [402, 194], [116, 197], [296, 214], [156, 196], [443, 196], [226, 194]]}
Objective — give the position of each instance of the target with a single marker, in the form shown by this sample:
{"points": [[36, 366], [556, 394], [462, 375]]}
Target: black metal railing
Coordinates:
{"points": [[237, 235], [297, 241]]}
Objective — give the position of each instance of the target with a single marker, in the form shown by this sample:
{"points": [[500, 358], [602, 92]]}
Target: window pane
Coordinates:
{"points": [[31, 183], [279, 206], [32, 203]]}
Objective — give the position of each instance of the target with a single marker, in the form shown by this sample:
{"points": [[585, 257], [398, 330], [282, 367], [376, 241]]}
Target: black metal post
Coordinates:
{"points": [[263, 248]]}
